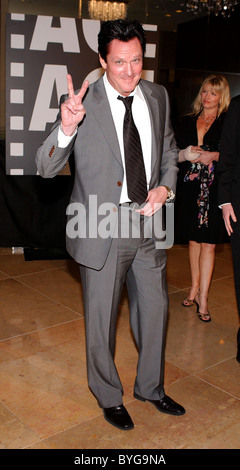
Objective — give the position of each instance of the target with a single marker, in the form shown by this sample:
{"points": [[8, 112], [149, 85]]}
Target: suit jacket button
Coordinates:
{"points": [[119, 183]]}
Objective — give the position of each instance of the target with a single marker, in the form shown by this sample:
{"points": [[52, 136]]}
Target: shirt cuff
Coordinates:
{"points": [[224, 204], [64, 140]]}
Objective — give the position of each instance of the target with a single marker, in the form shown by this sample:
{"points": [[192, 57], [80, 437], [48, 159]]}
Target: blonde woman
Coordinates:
{"points": [[199, 218]]}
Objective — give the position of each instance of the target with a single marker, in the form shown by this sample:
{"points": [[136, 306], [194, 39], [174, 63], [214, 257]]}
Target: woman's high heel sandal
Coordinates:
{"points": [[205, 317], [188, 302]]}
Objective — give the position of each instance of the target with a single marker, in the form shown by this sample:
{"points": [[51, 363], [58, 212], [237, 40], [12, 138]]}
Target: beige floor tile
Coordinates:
{"points": [[13, 433], [47, 397], [15, 265], [223, 293], [23, 310], [68, 337], [56, 362], [3, 276], [61, 285], [223, 267], [224, 435], [41, 374], [224, 375], [173, 374], [214, 414], [172, 289], [50, 414]]}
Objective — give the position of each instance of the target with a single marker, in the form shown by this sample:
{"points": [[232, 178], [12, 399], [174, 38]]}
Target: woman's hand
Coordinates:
{"points": [[207, 157]]}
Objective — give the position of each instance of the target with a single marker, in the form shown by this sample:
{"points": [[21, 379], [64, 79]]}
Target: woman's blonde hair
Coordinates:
{"points": [[220, 85]]}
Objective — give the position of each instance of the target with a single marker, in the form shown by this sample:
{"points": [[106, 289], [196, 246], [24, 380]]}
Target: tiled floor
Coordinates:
{"points": [[44, 398]]}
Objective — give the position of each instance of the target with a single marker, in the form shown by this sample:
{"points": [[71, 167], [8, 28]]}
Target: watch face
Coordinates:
{"points": [[170, 195]]}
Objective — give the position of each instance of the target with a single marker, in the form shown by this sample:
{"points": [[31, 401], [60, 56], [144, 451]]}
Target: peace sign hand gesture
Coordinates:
{"points": [[72, 110]]}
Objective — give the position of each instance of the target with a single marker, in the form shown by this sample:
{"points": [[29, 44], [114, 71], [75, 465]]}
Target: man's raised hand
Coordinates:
{"points": [[72, 110]]}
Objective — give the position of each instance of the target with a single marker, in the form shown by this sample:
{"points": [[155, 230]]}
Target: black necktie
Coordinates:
{"points": [[135, 170]]}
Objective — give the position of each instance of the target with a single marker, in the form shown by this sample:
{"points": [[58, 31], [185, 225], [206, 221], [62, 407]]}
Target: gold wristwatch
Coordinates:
{"points": [[170, 194]]}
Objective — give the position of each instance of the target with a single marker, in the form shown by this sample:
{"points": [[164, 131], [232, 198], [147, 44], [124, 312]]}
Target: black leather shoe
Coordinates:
{"points": [[165, 405], [119, 417], [238, 343]]}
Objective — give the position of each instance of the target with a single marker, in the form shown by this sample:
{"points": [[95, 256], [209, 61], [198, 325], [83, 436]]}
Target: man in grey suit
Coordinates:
{"points": [[92, 123]]}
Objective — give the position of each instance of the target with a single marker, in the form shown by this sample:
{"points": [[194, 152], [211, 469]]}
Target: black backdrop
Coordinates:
{"points": [[33, 212]]}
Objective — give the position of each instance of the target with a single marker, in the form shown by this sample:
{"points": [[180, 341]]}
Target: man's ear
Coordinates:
{"points": [[102, 62]]}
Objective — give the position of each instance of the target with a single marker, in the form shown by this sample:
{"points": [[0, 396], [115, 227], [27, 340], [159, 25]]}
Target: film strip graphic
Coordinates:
{"points": [[16, 97]]}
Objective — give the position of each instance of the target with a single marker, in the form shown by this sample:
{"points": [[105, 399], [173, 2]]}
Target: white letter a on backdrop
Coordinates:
{"points": [[42, 113]]}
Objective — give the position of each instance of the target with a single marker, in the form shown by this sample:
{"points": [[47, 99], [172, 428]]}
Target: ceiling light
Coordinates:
{"points": [[103, 11], [217, 7]]}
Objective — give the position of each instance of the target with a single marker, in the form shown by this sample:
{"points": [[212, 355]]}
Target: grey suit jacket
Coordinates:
{"points": [[99, 169]]}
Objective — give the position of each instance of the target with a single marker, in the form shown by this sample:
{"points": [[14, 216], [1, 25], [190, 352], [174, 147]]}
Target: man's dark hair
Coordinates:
{"points": [[124, 30]]}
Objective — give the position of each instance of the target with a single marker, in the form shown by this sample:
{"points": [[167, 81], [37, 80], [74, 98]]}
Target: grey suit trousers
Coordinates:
{"points": [[135, 260]]}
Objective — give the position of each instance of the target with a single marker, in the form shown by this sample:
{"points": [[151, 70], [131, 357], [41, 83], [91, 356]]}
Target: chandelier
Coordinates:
{"points": [[103, 11], [217, 7]]}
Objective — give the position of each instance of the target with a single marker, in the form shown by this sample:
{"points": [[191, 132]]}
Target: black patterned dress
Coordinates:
{"points": [[197, 215]]}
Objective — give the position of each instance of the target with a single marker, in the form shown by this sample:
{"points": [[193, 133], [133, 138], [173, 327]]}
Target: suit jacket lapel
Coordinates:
{"points": [[156, 121], [103, 115]]}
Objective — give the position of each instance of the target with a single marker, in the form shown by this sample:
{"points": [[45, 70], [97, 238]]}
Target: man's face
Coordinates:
{"points": [[123, 65]]}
